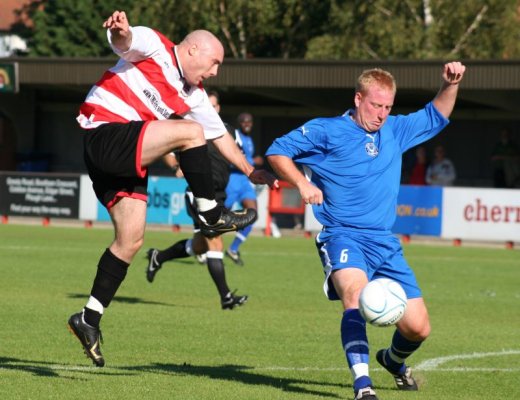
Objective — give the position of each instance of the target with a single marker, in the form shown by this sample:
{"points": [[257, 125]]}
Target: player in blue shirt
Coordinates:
{"points": [[239, 189], [353, 170]]}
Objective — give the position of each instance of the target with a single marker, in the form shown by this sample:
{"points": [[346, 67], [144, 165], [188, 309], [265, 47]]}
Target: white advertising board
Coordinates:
{"points": [[262, 193], [88, 207], [481, 214]]}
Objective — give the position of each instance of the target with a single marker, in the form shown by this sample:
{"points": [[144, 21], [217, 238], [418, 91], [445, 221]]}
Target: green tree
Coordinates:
{"points": [[478, 29], [71, 28], [312, 29], [419, 29], [267, 28]]}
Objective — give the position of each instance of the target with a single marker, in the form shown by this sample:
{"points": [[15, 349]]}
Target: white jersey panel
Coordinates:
{"points": [[144, 44], [98, 95], [143, 89], [205, 114]]}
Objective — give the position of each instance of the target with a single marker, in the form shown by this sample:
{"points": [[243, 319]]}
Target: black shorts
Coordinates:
{"points": [[113, 157], [191, 206]]}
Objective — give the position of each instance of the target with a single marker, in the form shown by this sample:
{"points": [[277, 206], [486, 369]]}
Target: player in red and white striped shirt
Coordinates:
{"points": [[151, 103]]}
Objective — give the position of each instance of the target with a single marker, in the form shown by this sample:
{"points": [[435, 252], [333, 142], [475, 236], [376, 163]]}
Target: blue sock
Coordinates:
{"points": [[240, 237], [398, 352], [355, 345]]}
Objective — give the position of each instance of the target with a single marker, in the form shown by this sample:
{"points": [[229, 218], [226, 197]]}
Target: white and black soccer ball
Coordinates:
{"points": [[382, 302]]}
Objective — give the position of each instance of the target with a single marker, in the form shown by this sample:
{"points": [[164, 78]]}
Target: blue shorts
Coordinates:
{"points": [[378, 255], [238, 189]]}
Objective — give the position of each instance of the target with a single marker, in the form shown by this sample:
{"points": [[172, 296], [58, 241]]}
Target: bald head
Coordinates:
{"points": [[202, 38], [200, 54]]}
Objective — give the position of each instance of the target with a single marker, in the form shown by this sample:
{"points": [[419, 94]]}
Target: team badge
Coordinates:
{"points": [[371, 149]]}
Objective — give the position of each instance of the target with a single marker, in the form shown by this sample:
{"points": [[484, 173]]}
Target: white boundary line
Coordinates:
{"points": [[431, 365]]}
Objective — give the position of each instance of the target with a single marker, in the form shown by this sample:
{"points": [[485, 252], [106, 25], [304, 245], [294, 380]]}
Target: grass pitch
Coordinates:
{"points": [[171, 340]]}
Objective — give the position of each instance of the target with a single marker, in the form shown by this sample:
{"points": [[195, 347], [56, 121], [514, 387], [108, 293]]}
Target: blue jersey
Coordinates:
{"points": [[358, 172], [239, 187], [245, 143]]}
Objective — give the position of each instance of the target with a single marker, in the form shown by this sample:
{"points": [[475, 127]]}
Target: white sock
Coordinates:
{"points": [[215, 254], [95, 305], [359, 370], [205, 204]]}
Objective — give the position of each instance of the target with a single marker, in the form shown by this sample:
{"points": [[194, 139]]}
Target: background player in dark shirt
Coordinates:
{"points": [[199, 244]]}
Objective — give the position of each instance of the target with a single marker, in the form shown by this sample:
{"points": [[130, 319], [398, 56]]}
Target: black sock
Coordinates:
{"points": [[110, 273], [211, 216], [216, 270], [93, 318], [196, 167], [178, 250]]}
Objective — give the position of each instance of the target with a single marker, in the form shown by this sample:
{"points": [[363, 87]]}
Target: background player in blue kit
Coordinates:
{"points": [[239, 189], [353, 162]]}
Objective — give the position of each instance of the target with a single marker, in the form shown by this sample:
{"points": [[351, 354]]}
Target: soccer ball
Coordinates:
{"points": [[382, 302]]}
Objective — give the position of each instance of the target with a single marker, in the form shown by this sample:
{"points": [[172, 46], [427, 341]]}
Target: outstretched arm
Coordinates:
{"points": [[120, 31], [287, 170], [452, 75]]}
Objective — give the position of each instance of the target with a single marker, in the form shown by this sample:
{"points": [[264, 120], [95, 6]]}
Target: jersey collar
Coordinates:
{"points": [[186, 86], [178, 62], [349, 117]]}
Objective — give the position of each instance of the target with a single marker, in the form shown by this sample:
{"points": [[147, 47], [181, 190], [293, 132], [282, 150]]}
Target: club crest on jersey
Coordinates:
{"points": [[371, 149]]}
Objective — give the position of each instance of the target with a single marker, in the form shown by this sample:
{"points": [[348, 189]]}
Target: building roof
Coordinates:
{"points": [[496, 74], [493, 85], [8, 15]]}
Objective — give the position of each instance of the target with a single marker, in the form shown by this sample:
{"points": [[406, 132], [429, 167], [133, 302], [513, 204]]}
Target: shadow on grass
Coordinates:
{"points": [[233, 373], [47, 369], [242, 374], [124, 299]]}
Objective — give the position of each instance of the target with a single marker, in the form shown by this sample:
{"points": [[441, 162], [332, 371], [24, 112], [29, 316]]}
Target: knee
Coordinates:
{"points": [[350, 298], [136, 245], [348, 285], [126, 250], [422, 334], [416, 332], [195, 133]]}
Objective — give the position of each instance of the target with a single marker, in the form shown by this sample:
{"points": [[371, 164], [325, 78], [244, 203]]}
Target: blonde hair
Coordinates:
{"points": [[375, 76]]}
